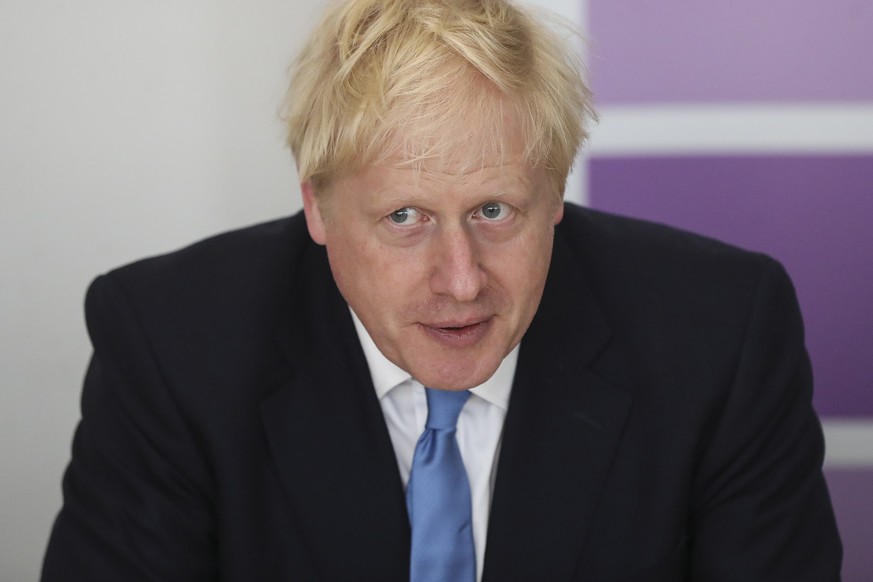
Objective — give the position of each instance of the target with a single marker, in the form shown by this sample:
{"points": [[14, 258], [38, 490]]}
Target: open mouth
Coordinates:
{"points": [[458, 336]]}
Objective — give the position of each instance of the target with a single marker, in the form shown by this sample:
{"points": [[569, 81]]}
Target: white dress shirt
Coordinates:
{"points": [[480, 426]]}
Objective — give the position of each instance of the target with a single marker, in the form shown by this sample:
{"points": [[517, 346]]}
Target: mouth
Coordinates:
{"points": [[458, 334]]}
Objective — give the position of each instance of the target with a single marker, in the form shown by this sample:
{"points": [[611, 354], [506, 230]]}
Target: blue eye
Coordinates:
{"points": [[404, 216], [494, 210]]}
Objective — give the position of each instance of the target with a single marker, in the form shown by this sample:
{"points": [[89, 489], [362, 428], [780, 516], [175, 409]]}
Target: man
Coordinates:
{"points": [[640, 402]]}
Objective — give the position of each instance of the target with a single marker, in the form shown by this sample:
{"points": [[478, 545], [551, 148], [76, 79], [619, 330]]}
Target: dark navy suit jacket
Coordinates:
{"points": [[660, 425]]}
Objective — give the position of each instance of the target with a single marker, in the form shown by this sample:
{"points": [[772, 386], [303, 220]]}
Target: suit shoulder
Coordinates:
{"points": [[237, 252], [645, 273], [605, 241], [232, 279]]}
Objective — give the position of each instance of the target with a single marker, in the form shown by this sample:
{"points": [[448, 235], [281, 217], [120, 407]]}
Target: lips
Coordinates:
{"points": [[457, 335]]}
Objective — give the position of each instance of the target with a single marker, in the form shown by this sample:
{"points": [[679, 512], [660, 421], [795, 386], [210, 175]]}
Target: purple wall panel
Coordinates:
{"points": [[815, 214], [745, 50], [852, 496]]}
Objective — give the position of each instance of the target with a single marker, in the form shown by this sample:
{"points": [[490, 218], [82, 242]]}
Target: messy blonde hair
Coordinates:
{"points": [[378, 75]]}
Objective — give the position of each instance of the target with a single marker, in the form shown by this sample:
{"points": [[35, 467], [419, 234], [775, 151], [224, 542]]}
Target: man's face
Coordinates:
{"points": [[444, 264]]}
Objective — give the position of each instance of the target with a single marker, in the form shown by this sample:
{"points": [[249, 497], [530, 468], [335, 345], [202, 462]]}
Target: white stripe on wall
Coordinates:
{"points": [[848, 443], [733, 129], [575, 13]]}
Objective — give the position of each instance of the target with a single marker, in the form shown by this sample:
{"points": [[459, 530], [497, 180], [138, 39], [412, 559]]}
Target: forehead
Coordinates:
{"points": [[472, 140], [465, 161], [458, 177], [461, 146], [438, 184], [471, 171]]}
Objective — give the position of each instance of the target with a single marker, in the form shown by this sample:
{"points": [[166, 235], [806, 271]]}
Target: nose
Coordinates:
{"points": [[456, 268]]}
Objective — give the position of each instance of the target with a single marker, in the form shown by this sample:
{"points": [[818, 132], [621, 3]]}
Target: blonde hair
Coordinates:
{"points": [[426, 75]]}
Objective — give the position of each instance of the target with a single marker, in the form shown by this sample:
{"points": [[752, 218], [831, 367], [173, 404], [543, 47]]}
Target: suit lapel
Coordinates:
{"points": [[565, 420], [329, 441], [334, 456]]}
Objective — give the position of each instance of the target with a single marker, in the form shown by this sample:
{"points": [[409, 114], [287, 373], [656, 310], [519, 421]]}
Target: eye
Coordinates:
{"points": [[494, 210], [405, 215]]}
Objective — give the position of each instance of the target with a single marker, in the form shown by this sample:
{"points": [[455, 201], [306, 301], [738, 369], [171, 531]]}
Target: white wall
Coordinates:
{"points": [[126, 129]]}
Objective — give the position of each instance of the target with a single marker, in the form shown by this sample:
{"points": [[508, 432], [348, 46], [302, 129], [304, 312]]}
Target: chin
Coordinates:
{"points": [[450, 377]]}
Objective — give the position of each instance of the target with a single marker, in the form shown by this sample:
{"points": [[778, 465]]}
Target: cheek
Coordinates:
{"points": [[349, 269], [525, 269], [370, 275], [526, 259]]}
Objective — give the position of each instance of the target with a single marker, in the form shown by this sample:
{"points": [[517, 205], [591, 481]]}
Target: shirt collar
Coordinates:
{"points": [[386, 375]]}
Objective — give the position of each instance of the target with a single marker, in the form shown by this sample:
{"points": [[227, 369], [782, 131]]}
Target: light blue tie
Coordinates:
{"points": [[438, 497]]}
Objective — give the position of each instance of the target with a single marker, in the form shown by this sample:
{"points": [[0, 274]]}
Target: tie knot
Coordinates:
{"points": [[444, 407]]}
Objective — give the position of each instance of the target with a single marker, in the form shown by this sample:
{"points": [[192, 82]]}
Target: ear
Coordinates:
{"points": [[314, 218], [559, 212]]}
